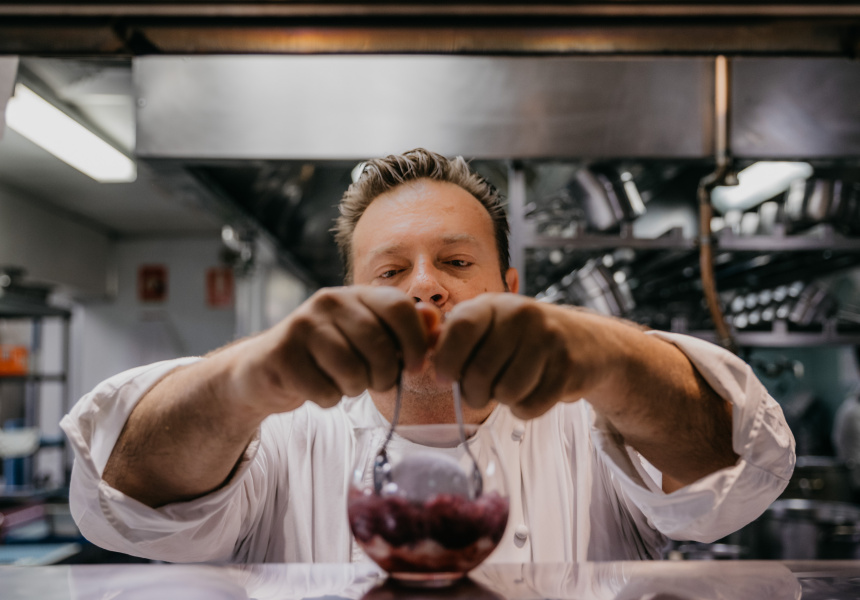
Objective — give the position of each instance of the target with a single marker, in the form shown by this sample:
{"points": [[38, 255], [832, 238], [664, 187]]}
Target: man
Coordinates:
{"points": [[222, 458]]}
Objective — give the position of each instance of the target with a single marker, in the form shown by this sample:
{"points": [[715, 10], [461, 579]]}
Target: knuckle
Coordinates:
{"points": [[328, 299], [393, 299], [505, 394], [530, 317], [384, 379], [328, 400], [301, 325]]}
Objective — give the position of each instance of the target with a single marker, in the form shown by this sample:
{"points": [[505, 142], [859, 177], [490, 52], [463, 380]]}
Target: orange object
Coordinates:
{"points": [[13, 360]]}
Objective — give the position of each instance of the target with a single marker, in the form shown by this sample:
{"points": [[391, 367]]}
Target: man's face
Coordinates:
{"points": [[431, 239], [434, 241]]}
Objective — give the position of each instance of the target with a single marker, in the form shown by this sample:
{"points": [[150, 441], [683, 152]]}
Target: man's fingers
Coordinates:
{"points": [[397, 311], [339, 360], [431, 320], [373, 341], [314, 384], [487, 363], [547, 393], [522, 374], [464, 329]]}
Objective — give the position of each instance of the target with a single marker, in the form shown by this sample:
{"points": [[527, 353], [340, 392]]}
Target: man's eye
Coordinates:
{"points": [[388, 274], [459, 263]]}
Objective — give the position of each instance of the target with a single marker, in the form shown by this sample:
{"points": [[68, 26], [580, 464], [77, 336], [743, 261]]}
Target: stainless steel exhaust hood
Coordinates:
{"points": [[354, 107]]}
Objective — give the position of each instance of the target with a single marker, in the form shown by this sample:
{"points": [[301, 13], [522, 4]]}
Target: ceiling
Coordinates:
{"points": [[137, 27], [100, 93]]}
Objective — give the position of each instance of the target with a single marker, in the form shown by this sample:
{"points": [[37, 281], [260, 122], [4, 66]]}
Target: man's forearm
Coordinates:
{"points": [[185, 436], [659, 403]]}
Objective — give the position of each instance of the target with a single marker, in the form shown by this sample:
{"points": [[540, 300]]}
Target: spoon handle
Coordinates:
{"points": [[396, 416], [477, 480], [458, 410]]}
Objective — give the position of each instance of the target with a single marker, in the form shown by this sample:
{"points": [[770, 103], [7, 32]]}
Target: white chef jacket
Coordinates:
{"points": [[576, 493]]}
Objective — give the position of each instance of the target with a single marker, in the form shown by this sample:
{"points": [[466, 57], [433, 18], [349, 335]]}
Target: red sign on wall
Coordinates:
{"points": [[152, 283], [219, 287]]}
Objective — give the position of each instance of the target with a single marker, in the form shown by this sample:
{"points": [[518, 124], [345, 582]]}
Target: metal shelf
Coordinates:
{"points": [[822, 237], [780, 336], [583, 240], [58, 377]]}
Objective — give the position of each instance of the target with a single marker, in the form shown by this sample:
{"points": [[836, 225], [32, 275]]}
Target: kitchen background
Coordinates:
{"points": [[238, 130]]}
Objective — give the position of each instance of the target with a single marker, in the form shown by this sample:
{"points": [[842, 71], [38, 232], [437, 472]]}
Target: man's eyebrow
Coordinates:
{"points": [[387, 249], [458, 239], [448, 240]]}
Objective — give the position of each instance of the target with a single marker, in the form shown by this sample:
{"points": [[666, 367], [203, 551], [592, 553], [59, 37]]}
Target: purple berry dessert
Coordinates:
{"points": [[445, 534]]}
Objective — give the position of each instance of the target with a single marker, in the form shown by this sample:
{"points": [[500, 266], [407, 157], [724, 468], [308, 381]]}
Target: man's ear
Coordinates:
{"points": [[512, 280]]}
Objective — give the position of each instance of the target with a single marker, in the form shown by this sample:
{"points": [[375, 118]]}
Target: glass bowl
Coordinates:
{"points": [[425, 526]]}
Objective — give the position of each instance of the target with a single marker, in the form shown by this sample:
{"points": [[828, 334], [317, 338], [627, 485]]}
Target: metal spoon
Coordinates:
{"points": [[477, 479], [381, 466]]}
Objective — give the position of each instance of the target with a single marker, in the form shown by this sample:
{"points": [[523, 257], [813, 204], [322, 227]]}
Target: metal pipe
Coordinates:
{"points": [[721, 176]]}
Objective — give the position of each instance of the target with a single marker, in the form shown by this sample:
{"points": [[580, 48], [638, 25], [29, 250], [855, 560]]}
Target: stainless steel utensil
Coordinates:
{"points": [[477, 480], [381, 466]]}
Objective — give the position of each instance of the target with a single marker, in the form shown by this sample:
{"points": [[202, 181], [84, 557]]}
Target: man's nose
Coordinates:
{"points": [[425, 285]]}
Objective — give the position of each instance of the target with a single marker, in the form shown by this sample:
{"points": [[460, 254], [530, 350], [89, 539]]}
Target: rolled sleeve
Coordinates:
{"points": [[205, 529], [726, 500]]}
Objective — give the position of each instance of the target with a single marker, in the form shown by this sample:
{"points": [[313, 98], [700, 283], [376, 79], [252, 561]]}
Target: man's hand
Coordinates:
{"points": [[520, 352], [185, 436], [531, 355], [340, 342]]}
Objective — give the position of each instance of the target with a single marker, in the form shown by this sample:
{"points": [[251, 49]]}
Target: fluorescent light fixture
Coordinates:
{"points": [[759, 182], [45, 125]]}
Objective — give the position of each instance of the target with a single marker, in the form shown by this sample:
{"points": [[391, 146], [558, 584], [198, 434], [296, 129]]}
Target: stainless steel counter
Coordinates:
{"points": [[713, 580]]}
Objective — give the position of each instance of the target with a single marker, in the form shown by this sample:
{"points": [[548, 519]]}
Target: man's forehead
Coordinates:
{"points": [[385, 248]]}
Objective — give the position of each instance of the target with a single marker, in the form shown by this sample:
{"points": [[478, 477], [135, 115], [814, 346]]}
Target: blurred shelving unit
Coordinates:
{"points": [[26, 374]]}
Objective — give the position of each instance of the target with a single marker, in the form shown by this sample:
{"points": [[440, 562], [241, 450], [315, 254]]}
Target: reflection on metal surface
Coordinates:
{"points": [[448, 27], [620, 581], [795, 108], [356, 9], [326, 107]]}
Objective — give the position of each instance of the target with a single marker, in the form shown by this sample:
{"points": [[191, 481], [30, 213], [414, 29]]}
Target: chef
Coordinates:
{"points": [[615, 439]]}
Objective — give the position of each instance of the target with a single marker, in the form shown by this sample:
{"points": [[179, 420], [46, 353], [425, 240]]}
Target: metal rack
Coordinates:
{"points": [[823, 237], [12, 308]]}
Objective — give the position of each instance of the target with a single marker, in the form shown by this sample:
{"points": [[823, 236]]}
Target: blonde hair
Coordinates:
{"points": [[381, 175]]}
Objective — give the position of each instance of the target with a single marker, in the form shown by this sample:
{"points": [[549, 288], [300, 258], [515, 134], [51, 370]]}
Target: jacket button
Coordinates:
{"points": [[521, 533]]}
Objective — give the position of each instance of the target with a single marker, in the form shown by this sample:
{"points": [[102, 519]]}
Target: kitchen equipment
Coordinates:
{"points": [[814, 305], [798, 529], [593, 286], [381, 466], [813, 201], [822, 478], [814, 518], [607, 198], [477, 480]]}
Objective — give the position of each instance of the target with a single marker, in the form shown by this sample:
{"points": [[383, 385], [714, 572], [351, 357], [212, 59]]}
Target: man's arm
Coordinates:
{"points": [[187, 434], [530, 355]]}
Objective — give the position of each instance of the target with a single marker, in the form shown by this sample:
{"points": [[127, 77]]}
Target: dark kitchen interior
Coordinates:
{"points": [[602, 124]]}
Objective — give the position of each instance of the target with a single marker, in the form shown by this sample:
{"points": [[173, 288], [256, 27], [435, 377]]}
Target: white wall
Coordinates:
{"points": [[112, 336], [52, 248]]}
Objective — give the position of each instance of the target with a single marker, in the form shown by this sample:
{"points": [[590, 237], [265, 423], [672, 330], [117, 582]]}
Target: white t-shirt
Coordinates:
{"points": [[575, 493]]}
